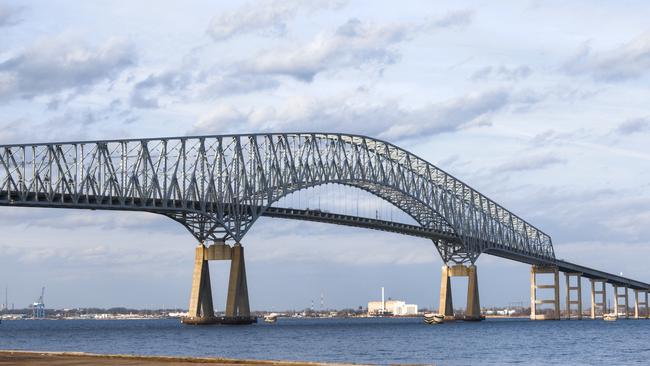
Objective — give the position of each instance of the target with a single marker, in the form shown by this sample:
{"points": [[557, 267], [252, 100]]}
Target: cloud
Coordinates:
{"points": [[9, 15], [151, 91], [353, 44], [466, 111], [575, 214], [503, 73], [271, 16], [633, 126], [54, 65], [528, 163], [72, 124], [629, 61], [457, 18], [353, 246], [146, 92], [349, 113], [233, 84]]}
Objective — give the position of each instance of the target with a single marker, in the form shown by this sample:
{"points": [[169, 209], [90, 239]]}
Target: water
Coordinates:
{"points": [[361, 340]]}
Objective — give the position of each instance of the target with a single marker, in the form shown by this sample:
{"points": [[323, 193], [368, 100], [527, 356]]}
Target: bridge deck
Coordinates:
{"points": [[418, 231], [63, 201]]}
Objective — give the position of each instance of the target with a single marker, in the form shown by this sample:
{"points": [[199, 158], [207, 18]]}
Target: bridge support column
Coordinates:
{"points": [[595, 305], [201, 307], [636, 304], [618, 304], [237, 302], [578, 293], [534, 271], [237, 307], [446, 308]]}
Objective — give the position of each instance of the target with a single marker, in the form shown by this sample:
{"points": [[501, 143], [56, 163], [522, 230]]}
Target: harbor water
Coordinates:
{"points": [[357, 340]]}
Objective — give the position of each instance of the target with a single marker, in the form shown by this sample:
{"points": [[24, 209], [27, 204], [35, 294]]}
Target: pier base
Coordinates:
{"points": [[225, 320], [201, 311], [473, 309], [595, 293], [621, 304], [534, 271], [571, 291]]}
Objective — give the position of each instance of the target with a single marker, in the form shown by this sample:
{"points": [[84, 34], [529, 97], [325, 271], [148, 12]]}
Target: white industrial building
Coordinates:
{"points": [[391, 307]]}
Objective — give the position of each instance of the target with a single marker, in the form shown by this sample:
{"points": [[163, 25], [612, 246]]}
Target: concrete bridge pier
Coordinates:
{"points": [[621, 304], [637, 305], [237, 303], [534, 271], [201, 310], [573, 290], [446, 308], [595, 304], [201, 306]]}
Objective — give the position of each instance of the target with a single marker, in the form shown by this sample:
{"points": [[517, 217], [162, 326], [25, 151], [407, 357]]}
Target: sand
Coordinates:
{"points": [[28, 358]]}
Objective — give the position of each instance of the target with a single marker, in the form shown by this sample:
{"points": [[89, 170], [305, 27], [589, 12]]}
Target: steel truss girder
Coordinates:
{"points": [[217, 186]]}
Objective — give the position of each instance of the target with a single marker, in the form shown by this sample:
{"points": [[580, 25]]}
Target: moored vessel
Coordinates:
{"points": [[609, 317], [271, 318], [431, 318]]}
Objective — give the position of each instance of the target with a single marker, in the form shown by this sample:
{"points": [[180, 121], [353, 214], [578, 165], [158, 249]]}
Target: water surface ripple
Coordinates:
{"points": [[360, 340]]}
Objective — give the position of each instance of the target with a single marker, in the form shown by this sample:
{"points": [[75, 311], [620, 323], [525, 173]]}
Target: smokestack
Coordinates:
{"points": [[383, 302]]}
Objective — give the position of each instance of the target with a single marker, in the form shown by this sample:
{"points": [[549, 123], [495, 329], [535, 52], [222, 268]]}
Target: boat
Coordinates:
{"points": [[431, 318], [609, 317], [271, 318]]}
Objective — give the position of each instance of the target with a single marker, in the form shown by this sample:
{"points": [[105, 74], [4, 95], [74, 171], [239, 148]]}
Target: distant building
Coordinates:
{"points": [[391, 307]]}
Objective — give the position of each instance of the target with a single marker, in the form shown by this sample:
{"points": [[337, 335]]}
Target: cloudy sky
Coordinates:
{"points": [[541, 105]]}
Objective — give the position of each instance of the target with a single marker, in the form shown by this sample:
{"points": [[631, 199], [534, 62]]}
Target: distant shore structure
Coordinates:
{"points": [[391, 307]]}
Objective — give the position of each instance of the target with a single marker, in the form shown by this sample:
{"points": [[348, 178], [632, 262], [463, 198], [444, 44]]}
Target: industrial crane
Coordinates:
{"points": [[39, 306]]}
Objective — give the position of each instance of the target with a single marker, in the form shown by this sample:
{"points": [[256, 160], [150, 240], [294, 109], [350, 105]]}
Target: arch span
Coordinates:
{"points": [[218, 186]]}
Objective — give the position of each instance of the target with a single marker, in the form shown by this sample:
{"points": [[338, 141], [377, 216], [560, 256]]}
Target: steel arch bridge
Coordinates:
{"points": [[218, 186]]}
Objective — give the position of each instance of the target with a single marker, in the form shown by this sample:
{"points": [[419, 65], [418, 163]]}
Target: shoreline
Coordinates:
{"points": [[36, 358]]}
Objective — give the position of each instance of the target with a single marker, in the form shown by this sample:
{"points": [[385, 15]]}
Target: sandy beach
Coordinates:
{"points": [[29, 358]]}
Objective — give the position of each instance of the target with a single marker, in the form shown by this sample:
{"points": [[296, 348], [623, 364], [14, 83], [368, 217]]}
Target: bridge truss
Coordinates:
{"points": [[218, 186]]}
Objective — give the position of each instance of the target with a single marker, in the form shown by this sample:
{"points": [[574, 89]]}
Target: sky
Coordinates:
{"points": [[540, 105]]}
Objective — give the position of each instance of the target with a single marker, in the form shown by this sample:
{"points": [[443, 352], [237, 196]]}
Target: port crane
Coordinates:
{"points": [[39, 306]]}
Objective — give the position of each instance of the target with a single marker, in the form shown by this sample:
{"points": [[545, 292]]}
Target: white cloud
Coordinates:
{"points": [[457, 18], [178, 84], [56, 64], [269, 16], [349, 113], [632, 126], [352, 45], [628, 62], [503, 73], [145, 93], [526, 163]]}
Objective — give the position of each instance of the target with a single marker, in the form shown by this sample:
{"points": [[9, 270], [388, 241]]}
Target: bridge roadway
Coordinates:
{"points": [[418, 231], [354, 221]]}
